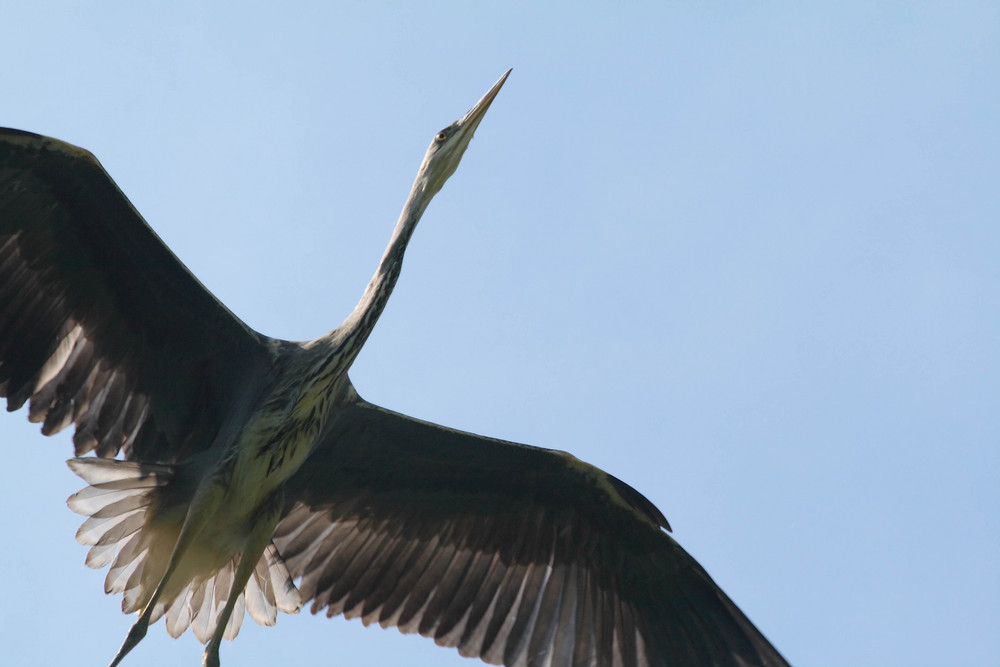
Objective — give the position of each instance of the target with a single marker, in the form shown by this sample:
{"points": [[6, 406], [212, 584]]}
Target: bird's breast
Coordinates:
{"points": [[279, 439]]}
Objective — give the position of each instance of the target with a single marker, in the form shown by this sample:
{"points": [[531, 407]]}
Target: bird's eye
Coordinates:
{"points": [[440, 137]]}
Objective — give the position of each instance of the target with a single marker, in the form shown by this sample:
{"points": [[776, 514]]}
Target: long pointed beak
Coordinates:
{"points": [[470, 121]]}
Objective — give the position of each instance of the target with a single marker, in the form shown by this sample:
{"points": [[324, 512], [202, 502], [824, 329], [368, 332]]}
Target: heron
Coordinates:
{"points": [[229, 472]]}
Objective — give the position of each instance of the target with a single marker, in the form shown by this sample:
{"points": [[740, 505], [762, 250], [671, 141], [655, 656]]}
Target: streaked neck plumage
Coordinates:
{"points": [[350, 336], [440, 162]]}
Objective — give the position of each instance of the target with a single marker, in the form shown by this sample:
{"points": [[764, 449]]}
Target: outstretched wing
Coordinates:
{"points": [[100, 324], [514, 554]]}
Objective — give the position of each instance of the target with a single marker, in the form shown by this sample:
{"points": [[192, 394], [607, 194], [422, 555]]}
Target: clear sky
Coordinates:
{"points": [[744, 256]]}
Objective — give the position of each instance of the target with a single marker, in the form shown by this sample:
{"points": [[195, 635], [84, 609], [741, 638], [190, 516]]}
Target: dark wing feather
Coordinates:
{"points": [[100, 324], [515, 554]]}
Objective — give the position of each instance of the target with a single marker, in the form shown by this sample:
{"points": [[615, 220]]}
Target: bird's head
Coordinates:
{"points": [[448, 146]]}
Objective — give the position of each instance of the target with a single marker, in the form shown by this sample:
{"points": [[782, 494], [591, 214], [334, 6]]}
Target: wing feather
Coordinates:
{"points": [[100, 324], [513, 554]]}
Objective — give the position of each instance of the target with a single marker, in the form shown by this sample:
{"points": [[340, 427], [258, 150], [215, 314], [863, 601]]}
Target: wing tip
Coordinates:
{"points": [[39, 142]]}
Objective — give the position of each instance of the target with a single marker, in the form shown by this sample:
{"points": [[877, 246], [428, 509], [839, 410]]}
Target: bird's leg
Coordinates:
{"points": [[206, 501], [263, 529]]}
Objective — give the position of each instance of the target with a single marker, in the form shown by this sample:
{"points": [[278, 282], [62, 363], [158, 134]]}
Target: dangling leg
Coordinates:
{"points": [[206, 501], [263, 529]]}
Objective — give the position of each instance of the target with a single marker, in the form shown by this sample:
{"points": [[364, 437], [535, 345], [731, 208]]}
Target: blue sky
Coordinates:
{"points": [[745, 257]]}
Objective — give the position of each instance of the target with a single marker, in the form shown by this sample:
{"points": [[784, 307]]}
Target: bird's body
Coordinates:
{"points": [[256, 478], [237, 480]]}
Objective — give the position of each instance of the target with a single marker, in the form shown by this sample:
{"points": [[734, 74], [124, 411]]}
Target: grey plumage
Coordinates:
{"points": [[251, 462]]}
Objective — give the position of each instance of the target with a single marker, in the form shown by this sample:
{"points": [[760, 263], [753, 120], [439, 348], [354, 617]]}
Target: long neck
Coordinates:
{"points": [[352, 334]]}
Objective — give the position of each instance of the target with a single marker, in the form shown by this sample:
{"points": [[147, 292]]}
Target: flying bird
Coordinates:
{"points": [[235, 473]]}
